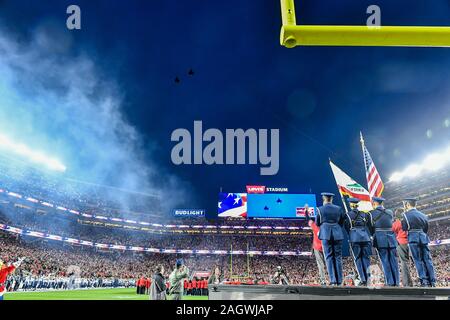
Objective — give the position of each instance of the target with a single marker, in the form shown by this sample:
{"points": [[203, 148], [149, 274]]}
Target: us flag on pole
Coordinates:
{"points": [[374, 182]]}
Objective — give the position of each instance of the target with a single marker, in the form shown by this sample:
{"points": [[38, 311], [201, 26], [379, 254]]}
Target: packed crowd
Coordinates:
{"points": [[101, 200], [69, 228], [269, 242], [23, 282], [87, 197], [439, 231], [53, 265]]}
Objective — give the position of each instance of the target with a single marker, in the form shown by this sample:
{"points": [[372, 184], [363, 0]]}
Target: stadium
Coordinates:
{"points": [[83, 248]]}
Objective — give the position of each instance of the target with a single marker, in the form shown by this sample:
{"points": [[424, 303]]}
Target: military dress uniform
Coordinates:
{"points": [[356, 225], [416, 224], [330, 218], [384, 240]]}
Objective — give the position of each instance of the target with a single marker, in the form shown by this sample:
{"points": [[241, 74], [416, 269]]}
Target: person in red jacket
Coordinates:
{"points": [[205, 286], [147, 285], [317, 247], [185, 286], [189, 288], [4, 272], [137, 285], [194, 287], [141, 285], [402, 249], [200, 287], [197, 287]]}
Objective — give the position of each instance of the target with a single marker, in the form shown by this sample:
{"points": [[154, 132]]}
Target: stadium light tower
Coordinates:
{"points": [[31, 155], [293, 35]]}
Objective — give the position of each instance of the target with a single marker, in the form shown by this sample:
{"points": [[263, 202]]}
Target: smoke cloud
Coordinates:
{"points": [[62, 105]]}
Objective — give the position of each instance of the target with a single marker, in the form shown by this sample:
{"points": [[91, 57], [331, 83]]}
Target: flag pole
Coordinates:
{"points": [[231, 262], [361, 139], [248, 261], [343, 201]]}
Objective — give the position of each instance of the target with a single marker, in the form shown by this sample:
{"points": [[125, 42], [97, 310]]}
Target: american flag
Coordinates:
{"points": [[374, 182], [233, 205]]}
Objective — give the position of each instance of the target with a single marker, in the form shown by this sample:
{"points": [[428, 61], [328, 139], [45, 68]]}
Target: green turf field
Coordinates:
{"points": [[100, 294]]}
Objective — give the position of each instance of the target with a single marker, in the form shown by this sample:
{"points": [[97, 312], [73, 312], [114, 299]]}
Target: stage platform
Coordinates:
{"points": [[278, 292]]}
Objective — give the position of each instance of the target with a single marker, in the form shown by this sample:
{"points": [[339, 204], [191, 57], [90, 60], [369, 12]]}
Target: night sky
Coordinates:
{"points": [[320, 98]]}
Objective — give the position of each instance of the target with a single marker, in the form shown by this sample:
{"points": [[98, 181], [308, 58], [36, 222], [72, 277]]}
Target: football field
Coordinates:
{"points": [[93, 294]]}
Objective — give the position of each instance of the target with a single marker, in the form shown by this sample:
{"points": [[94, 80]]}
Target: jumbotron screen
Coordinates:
{"points": [[280, 205]]}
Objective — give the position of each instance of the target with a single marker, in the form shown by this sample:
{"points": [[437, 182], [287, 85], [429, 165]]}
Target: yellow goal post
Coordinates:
{"points": [[293, 35]]}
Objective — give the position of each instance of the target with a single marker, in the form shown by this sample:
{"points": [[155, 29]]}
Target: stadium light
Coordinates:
{"points": [[32, 155], [396, 176], [433, 162], [413, 170]]}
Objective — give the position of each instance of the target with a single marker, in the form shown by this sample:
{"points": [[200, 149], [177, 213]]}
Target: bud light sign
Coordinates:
{"points": [[189, 213]]}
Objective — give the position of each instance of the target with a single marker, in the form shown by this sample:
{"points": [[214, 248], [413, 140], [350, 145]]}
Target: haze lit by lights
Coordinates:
{"points": [[431, 163], [31, 155]]}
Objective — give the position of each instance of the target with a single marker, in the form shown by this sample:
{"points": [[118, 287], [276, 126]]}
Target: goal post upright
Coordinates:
{"points": [[288, 13]]}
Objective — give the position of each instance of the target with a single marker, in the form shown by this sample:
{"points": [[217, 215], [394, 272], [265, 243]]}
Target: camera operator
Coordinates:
{"points": [[280, 277]]}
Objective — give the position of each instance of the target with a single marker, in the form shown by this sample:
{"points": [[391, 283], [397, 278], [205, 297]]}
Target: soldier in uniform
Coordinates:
{"points": [[356, 225], [416, 224], [380, 225], [176, 280], [330, 218]]}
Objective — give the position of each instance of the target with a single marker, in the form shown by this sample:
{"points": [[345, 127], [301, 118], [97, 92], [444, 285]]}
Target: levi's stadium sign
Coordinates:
{"points": [[192, 213], [269, 189], [264, 189], [256, 189]]}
